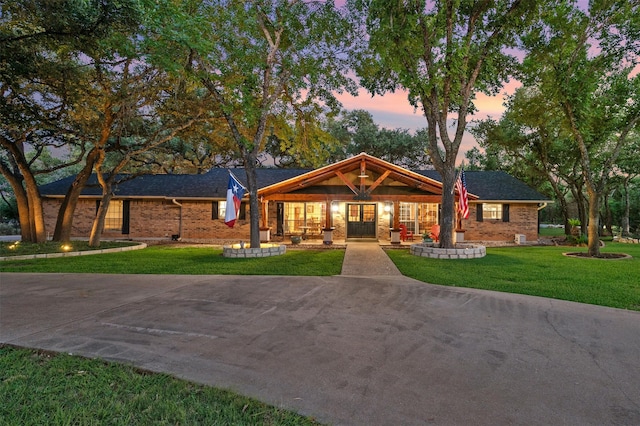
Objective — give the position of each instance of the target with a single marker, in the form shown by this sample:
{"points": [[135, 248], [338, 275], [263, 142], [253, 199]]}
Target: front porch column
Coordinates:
{"points": [[265, 231], [395, 231], [327, 238]]}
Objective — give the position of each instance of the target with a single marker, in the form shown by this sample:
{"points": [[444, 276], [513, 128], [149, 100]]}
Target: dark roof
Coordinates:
{"points": [[208, 185], [494, 186], [488, 185]]}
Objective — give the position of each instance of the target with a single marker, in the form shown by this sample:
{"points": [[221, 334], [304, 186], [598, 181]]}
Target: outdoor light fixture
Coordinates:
{"points": [[334, 207], [65, 247], [387, 207]]}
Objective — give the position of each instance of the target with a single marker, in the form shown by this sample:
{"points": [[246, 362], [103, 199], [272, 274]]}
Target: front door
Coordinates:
{"points": [[361, 220]]}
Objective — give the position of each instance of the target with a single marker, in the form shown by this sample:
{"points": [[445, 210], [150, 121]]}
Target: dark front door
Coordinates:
{"points": [[361, 220]]}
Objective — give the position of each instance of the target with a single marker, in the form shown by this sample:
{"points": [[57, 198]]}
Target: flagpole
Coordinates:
{"points": [[237, 180]]}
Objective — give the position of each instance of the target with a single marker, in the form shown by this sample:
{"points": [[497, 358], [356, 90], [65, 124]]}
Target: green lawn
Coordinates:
{"points": [[16, 248], [538, 271], [186, 260], [41, 388]]}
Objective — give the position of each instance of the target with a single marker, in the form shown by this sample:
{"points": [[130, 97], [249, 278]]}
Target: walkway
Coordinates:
{"points": [[367, 259]]}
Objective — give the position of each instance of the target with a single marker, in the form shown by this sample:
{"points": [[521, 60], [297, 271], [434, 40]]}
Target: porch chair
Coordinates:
{"points": [[405, 234], [435, 233]]}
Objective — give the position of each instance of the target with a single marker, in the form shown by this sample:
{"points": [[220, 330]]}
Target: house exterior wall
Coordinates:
{"points": [[160, 218], [523, 219]]}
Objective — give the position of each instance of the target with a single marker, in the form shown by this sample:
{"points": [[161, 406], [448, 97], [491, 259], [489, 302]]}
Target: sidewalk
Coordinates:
{"points": [[367, 259]]}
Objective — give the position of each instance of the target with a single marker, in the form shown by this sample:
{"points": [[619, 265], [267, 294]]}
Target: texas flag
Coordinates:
{"points": [[235, 192]]}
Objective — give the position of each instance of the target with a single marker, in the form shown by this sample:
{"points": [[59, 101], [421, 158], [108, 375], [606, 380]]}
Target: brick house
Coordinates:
{"points": [[360, 197]]}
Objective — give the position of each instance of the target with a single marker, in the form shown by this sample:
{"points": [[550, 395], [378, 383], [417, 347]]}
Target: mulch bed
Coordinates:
{"points": [[605, 256]]}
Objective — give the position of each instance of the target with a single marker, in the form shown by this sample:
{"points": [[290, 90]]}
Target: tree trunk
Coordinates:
{"points": [[98, 222], [594, 218], [254, 203], [36, 212], [607, 217], [64, 221], [627, 202], [22, 202], [448, 214], [30, 210]]}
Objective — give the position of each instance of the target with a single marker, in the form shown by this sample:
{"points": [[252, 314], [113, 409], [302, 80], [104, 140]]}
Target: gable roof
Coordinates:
{"points": [[362, 174], [488, 186]]}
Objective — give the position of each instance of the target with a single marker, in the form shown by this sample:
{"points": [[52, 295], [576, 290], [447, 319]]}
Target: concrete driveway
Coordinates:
{"points": [[347, 350]]}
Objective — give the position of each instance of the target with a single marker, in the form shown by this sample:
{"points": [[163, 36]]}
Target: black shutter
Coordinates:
{"points": [[242, 215], [97, 206], [479, 217], [280, 219], [214, 210], [505, 212], [126, 205]]}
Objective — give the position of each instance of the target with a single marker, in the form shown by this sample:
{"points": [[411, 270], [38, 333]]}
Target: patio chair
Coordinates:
{"points": [[405, 234], [435, 233]]}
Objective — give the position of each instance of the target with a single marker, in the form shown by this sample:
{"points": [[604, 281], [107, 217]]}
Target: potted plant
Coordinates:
{"points": [[296, 239]]}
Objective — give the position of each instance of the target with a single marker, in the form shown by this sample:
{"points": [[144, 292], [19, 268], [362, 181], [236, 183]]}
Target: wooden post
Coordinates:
{"points": [[395, 232]]}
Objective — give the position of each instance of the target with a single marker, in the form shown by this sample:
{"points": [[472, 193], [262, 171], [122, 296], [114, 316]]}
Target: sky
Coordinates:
{"points": [[393, 111]]}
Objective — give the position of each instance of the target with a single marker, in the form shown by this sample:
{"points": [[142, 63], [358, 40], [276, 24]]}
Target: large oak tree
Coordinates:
{"points": [[583, 61], [442, 53]]}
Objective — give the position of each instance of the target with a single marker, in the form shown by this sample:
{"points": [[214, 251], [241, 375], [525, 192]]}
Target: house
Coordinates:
{"points": [[361, 197]]}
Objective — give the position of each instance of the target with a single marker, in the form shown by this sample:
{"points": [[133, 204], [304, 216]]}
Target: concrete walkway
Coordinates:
{"points": [[348, 350], [367, 259]]}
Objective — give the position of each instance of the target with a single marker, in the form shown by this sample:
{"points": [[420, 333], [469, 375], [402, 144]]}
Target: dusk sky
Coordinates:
{"points": [[393, 111]]}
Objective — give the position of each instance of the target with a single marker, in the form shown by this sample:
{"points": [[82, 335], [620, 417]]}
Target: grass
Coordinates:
{"points": [[42, 388], [537, 271], [188, 261], [16, 248]]}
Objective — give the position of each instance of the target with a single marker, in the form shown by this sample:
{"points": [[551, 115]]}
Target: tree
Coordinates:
{"points": [[583, 61], [357, 132], [39, 46], [532, 138], [259, 60], [442, 53]]}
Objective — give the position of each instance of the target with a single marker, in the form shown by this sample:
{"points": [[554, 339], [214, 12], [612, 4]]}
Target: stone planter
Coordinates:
{"points": [[265, 250], [461, 251], [296, 239]]}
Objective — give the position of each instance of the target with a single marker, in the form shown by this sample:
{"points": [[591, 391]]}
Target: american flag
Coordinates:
{"points": [[235, 192], [463, 200]]}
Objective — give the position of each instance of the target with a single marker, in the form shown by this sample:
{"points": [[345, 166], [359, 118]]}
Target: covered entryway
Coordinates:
{"points": [[361, 220]]}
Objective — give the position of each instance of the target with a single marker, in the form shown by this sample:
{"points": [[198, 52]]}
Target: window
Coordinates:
{"points": [[492, 211], [113, 219], [304, 217], [219, 210]]}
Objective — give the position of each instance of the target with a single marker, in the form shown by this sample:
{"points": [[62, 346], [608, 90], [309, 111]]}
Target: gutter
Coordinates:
{"points": [[542, 206], [180, 220]]}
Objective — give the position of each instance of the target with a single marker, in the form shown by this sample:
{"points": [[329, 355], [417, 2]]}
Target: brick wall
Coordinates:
{"points": [[161, 219], [523, 219], [198, 224]]}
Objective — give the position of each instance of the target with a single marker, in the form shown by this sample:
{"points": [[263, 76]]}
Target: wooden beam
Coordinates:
{"points": [[379, 181], [344, 179]]}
